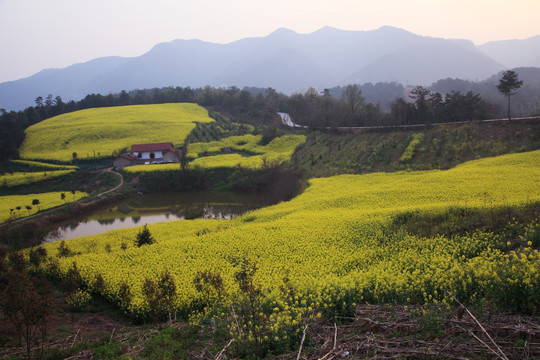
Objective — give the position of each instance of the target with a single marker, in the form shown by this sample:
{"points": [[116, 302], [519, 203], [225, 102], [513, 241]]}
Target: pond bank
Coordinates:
{"points": [[160, 207]]}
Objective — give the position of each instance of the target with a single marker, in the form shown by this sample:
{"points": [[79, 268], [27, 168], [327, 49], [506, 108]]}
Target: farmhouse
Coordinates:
{"points": [[124, 160], [151, 151], [148, 153]]}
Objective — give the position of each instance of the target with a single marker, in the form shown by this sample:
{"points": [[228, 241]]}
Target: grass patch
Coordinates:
{"points": [[443, 147]]}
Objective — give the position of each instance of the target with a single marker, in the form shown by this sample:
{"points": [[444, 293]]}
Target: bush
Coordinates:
{"points": [[37, 256], [160, 296], [78, 300]]}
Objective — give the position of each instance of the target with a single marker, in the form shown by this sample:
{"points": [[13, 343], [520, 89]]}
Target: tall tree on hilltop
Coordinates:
{"points": [[353, 100], [421, 95], [508, 83]]}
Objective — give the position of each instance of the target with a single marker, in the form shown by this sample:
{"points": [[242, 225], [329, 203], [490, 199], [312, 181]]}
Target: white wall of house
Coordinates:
{"points": [[146, 155]]}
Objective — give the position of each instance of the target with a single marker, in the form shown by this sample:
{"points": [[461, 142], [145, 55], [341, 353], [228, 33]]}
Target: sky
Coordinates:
{"points": [[41, 34]]}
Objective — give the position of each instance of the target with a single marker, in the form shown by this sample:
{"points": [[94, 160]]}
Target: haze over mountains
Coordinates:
{"points": [[284, 60]]}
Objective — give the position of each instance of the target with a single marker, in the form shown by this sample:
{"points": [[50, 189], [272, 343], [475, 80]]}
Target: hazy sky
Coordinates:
{"points": [[38, 34]]}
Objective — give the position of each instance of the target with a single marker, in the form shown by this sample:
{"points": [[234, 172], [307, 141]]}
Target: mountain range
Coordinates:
{"points": [[284, 60]]}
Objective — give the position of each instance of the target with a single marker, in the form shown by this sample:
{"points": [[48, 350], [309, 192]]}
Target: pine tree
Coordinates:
{"points": [[144, 237]]}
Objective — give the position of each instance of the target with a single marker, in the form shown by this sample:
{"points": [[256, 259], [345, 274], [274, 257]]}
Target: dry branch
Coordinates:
{"points": [[302, 342], [499, 352]]}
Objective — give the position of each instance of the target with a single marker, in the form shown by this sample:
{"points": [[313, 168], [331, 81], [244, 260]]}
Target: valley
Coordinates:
{"points": [[411, 219]]}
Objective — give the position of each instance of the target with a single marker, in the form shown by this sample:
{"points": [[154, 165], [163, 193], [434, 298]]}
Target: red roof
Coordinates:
{"points": [[128, 156], [152, 147]]}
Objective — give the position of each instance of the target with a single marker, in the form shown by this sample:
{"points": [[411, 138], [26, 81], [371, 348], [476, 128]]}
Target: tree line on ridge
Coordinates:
{"points": [[351, 105]]}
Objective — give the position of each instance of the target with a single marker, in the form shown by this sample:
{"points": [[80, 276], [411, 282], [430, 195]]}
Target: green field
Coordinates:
{"points": [[103, 132], [336, 244]]}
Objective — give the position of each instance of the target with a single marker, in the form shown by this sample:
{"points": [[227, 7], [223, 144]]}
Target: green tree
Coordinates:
{"points": [[36, 202], [124, 98], [508, 83], [421, 95], [184, 159], [354, 101], [144, 237], [326, 105]]}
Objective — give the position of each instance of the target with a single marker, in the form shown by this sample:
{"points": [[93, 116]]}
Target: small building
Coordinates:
{"points": [[152, 152], [172, 156], [124, 160], [148, 154]]}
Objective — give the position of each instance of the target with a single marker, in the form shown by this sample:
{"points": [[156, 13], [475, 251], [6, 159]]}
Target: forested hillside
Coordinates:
{"points": [[352, 105]]}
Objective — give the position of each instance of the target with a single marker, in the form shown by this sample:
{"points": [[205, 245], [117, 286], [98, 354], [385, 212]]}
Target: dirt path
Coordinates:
{"points": [[117, 186]]}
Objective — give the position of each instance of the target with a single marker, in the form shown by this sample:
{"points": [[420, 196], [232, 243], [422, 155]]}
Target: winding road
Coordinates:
{"points": [[287, 121], [117, 186]]}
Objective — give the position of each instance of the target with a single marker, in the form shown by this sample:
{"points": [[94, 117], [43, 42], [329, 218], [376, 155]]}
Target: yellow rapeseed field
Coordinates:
{"points": [[24, 178], [253, 154], [10, 203], [333, 242], [42, 165], [104, 131]]}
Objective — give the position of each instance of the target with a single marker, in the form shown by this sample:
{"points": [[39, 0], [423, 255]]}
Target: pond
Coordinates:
{"points": [[161, 207]]}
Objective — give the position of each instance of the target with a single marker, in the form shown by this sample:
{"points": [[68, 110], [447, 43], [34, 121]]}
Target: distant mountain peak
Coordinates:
{"points": [[327, 28], [283, 31], [284, 59]]}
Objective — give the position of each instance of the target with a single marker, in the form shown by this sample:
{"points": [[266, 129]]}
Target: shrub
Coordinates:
{"points": [[63, 250], [160, 296], [72, 281], [210, 285], [144, 237], [78, 300], [37, 256]]}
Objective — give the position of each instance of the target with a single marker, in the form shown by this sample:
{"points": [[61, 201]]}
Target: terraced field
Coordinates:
{"points": [[245, 152]]}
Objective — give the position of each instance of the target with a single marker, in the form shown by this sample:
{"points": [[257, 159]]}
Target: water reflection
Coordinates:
{"points": [[161, 207]]}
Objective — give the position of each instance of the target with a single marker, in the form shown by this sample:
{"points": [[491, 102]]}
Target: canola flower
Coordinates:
{"points": [[9, 203], [42, 165], [239, 143], [411, 148], [24, 178], [279, 150], [100, 132], [333, 242]]}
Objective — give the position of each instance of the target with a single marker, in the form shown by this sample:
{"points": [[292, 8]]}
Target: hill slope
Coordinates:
{"points": [[337, 245], [285, 60], [101, 132], [514, 53], [440, 147]]}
